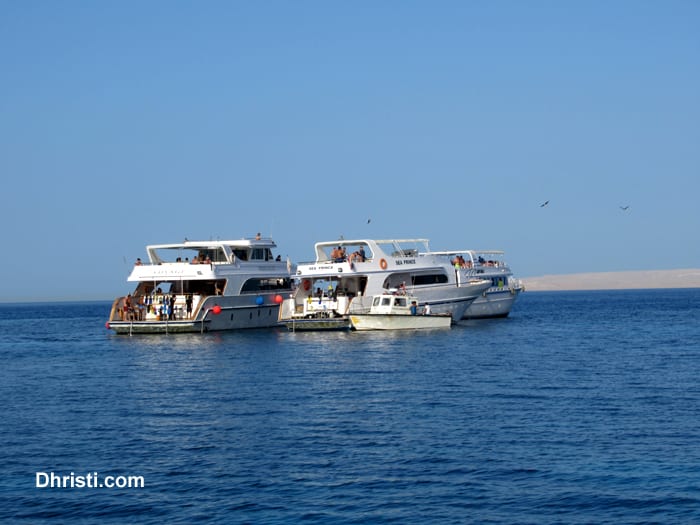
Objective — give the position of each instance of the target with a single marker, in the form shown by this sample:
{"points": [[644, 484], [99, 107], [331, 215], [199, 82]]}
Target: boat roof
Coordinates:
{"points": [[376, 245], [341, 242], [243, 243], [457, 252]]}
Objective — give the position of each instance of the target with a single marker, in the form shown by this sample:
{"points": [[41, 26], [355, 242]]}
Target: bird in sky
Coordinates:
{"points": [[369, 220], [624, 208], [544, 204]]}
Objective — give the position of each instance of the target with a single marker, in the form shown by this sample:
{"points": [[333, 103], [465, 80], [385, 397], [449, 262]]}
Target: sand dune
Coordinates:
{"points": [[689, 278]]}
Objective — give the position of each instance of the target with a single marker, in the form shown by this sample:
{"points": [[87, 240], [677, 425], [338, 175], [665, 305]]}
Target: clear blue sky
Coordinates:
{"points": [[129, 123]]}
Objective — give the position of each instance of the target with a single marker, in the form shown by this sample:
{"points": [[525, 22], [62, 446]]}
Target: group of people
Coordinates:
{"points": [[358, 255], [201, 260], [331, 293], [195, 260], [163, 305], [340, 255], [414, 308], [459, 262], [206, 259]]}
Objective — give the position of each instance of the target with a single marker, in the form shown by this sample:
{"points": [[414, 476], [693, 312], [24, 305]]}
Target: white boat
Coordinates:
{"points": [[346, 274], [397, 312], [498, 299], [199, 286]]}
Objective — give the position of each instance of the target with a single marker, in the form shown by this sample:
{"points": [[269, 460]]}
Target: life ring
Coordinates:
{"points": [[307, 284], [382, 264]]}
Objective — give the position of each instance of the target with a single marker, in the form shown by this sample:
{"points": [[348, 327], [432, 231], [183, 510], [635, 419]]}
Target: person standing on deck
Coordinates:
{"points": [[188, 305]]}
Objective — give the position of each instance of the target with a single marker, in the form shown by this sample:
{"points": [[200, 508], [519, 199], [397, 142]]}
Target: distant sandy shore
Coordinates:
{"points": [[615, 280]]}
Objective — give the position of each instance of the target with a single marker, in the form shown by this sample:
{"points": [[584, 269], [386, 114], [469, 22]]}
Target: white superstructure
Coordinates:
{"points": [[198, 286], [346, 273]]}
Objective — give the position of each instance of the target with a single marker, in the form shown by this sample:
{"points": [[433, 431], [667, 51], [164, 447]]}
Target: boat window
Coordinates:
{"points": [[400, 301], [433, 278], [214, 254], [386, 301], [376, 301], [206, 287], [266, 285], [240, 253], [262, 254]]}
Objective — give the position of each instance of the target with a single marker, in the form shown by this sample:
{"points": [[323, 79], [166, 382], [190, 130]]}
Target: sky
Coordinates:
{"points": [[130, 123]]}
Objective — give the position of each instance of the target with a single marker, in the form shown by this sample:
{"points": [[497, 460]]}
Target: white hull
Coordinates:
{"points": [[363, 322], [319, 324], [236, 313], [496, 303]]}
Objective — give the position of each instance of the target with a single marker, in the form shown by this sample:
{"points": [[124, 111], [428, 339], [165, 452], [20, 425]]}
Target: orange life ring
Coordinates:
{"points": [[382, 264], [307, 284]]}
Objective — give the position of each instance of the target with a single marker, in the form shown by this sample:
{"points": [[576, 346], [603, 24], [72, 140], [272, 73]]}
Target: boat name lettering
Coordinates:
{"points": [[321, 267], [404, 261], [167, 271]]}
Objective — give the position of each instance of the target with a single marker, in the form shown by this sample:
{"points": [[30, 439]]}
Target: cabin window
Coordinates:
{"points": [[240, 253], [436, 278], [266, 285], [205, 287], [208, 287], [262, 254], [386, 301], [213, 254], [400, 301]]}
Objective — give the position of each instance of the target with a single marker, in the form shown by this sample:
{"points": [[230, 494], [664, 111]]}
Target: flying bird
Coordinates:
{"points": [[369, 220], [624, 208], [544, 204]]}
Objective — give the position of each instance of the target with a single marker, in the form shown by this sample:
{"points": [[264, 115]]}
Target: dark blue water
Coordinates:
{"points": [[580, 408]]}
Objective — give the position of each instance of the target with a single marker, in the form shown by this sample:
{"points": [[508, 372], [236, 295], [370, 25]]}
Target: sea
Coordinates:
{"points": [[580, 407]]}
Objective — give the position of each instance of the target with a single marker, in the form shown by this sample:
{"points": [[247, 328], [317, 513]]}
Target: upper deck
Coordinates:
{"points": [[475, 258], [367, 249], [206, 259]]}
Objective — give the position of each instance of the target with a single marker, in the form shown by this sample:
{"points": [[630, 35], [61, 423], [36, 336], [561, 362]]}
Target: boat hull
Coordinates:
{"points": [[231, 316], [157, 327], [492, 304], [362, 322], [327, 324]]}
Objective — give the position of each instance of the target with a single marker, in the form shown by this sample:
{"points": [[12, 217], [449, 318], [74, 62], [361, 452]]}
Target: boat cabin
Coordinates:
{"points": [[394, 304]]}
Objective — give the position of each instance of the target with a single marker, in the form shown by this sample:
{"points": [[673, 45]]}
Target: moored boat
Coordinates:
{"points": [[346, 272], [199, 286], [497, 300], [397, 312]]}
